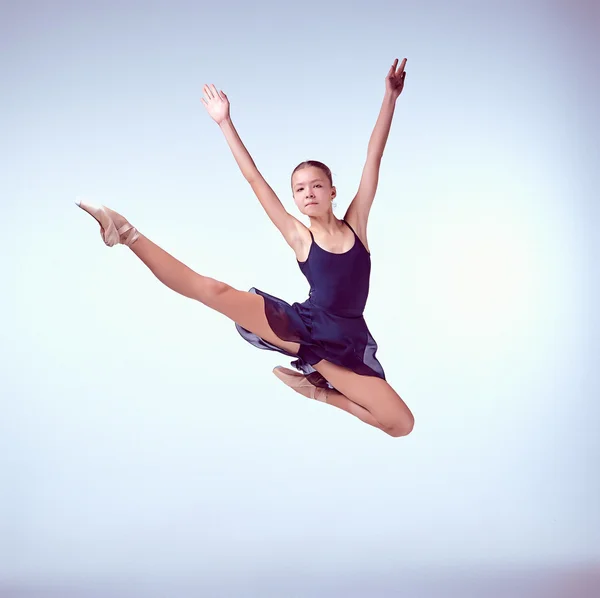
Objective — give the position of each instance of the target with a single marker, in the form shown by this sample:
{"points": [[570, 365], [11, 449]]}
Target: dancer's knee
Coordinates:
{"points": [[211, 290], [400, 425]]}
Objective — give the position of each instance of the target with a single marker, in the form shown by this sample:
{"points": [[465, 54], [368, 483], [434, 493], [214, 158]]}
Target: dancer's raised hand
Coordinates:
{"points": [[216, 103], [394, 81]]}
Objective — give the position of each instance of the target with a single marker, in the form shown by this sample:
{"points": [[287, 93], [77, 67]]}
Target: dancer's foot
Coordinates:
{"points": [[114, 228], [299, 383]]}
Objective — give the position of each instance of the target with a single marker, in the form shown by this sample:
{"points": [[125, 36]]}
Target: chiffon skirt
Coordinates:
{"points": [[345, 341]]}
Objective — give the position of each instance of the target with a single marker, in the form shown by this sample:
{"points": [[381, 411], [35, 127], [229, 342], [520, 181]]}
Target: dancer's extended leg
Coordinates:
{"points": [[247, 309]]}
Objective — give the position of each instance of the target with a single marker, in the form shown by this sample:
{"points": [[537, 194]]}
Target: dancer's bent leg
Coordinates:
{"points": [[300, 384], [371, 393], [337, 399]]}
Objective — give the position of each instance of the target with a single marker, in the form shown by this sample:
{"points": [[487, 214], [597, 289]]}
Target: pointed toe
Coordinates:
{"points": [[126, 234]]}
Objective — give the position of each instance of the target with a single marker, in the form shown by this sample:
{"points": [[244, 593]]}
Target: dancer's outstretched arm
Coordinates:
{"points": [[217, 105], [359, 209]]}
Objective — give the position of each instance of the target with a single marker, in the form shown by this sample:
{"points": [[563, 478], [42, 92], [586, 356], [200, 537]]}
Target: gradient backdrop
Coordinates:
{"points": [[146, 449]]}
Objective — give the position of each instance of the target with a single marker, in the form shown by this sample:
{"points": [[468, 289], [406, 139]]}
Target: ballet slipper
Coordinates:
{"points": [[114, 228], [299, 383]]}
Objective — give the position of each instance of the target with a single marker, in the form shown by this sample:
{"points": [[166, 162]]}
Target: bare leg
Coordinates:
{"points": [[337, 399], [371, 393], [170, 271], [300, 384], [247, 309], [244, 308]]}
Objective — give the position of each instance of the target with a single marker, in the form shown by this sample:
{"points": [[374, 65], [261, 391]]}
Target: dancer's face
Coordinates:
{"points": [[312, 191]]}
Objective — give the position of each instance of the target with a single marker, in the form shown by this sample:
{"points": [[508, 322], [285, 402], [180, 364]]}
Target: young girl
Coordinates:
{"points": [[327, 333]]}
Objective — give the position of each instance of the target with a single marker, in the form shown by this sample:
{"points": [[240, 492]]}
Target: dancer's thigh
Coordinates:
{"points": [[372, 393], [246, 309]]}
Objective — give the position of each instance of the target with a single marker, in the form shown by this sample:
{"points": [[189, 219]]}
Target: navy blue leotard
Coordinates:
{"points": [[329, 324]]}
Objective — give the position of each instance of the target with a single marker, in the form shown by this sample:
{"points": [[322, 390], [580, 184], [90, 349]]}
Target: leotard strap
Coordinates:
{"points": [[343, 220]]}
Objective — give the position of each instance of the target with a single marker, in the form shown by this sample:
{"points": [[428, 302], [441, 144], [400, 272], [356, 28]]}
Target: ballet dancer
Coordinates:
{"points": [[335, 354]]}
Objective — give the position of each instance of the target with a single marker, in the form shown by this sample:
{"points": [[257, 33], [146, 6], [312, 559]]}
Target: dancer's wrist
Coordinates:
{"points": [[226, 122]]}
